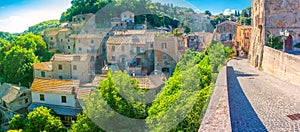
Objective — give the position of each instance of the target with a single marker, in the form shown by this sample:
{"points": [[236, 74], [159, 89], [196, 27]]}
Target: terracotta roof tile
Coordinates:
{"points": [[73, 57], [46, 66], [83, 93], [54, 85]]}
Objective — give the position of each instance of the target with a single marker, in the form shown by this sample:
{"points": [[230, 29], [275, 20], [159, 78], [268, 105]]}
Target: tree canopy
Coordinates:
{"points": [[18, 65], [38, 28], [40, 119], [32, 42], [109, 109]]}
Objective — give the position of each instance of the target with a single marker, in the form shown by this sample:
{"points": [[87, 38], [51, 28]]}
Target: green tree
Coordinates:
{"points": [[189, 87], [207, 13], [106, 104], [217, 54], [38, 28], [84, 124], [32, 42], [275, 42], [18, 65], [17, 122], [3, 50], [43, 119], [3, 42]]}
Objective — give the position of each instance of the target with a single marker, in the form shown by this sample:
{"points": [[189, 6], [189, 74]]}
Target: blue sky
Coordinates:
{"points": [[18, 15]]}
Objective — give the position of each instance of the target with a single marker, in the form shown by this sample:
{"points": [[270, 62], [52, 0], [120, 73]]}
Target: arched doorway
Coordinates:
{"points": [[289, 43]]}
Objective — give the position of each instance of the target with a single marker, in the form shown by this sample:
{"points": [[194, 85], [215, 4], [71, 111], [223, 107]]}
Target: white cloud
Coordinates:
{"points": [[228, 11], [21, 19], [21, 22]]}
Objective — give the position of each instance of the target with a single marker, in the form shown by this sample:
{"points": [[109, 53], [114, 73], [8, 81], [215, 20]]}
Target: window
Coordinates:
{"points": [[123, 60], [113, 58], [43, 74], [60, 67], [63, 99], [123, 48], [69, 47], [68, 40], [74, 67], [164, 45], [23, 94], [51, 38], [42, 97], [60, 77], [79, 50], [61, 40], [92, 41], [67, 118], [165, 57], [151, 45], [113, 48], [26, 100], [138, 50]]}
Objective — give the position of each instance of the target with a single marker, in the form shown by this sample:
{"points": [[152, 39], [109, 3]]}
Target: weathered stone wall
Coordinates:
{"points": [[282, 65], [269, 17]]}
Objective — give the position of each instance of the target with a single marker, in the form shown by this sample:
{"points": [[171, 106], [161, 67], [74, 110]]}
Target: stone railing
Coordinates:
{"points": [[217, 115], [282, 65]]}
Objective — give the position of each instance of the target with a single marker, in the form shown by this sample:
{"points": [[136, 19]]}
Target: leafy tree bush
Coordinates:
{"points": [[17, 122], [38, 28], [40, 119], [275, 42], [43, 119], [193, 76], [84, 124], [107, 107], [18, 65], [32, 42]]}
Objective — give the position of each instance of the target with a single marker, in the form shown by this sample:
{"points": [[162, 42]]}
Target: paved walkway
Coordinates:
{"points": [[260, 102]]}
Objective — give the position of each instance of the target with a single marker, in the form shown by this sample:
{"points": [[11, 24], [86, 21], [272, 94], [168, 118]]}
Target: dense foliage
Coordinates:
{"points": [[275, 42], [109, 109], [8, 36], [38, 28], [40, 119], [243, 18], [218, 54], [18, 65], [147, 12], [17, 123], [181, 104], [24, 51], [84, 124]]}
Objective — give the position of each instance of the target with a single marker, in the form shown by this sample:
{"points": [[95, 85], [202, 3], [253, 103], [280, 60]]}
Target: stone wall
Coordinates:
{"points": [[282, 65]]}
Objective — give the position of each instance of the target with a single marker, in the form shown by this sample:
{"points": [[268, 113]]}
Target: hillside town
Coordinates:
{"points": [[85, 53]]}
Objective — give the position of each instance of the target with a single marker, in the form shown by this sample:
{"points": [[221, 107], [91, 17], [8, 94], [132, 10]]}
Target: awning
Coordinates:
{"points": [[60, 110]]}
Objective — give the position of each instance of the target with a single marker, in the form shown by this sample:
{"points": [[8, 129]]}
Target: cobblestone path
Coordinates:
{"points": [[260, 102]]}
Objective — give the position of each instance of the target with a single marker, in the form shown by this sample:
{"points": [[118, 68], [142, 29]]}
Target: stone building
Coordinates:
{"points": [[125, 21], [198, 40], [242, 40], [13, 99], [129, 50], [199, 22], [166, 53], [61, 96], [269, 17], [226, 31], [75, 66]]}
